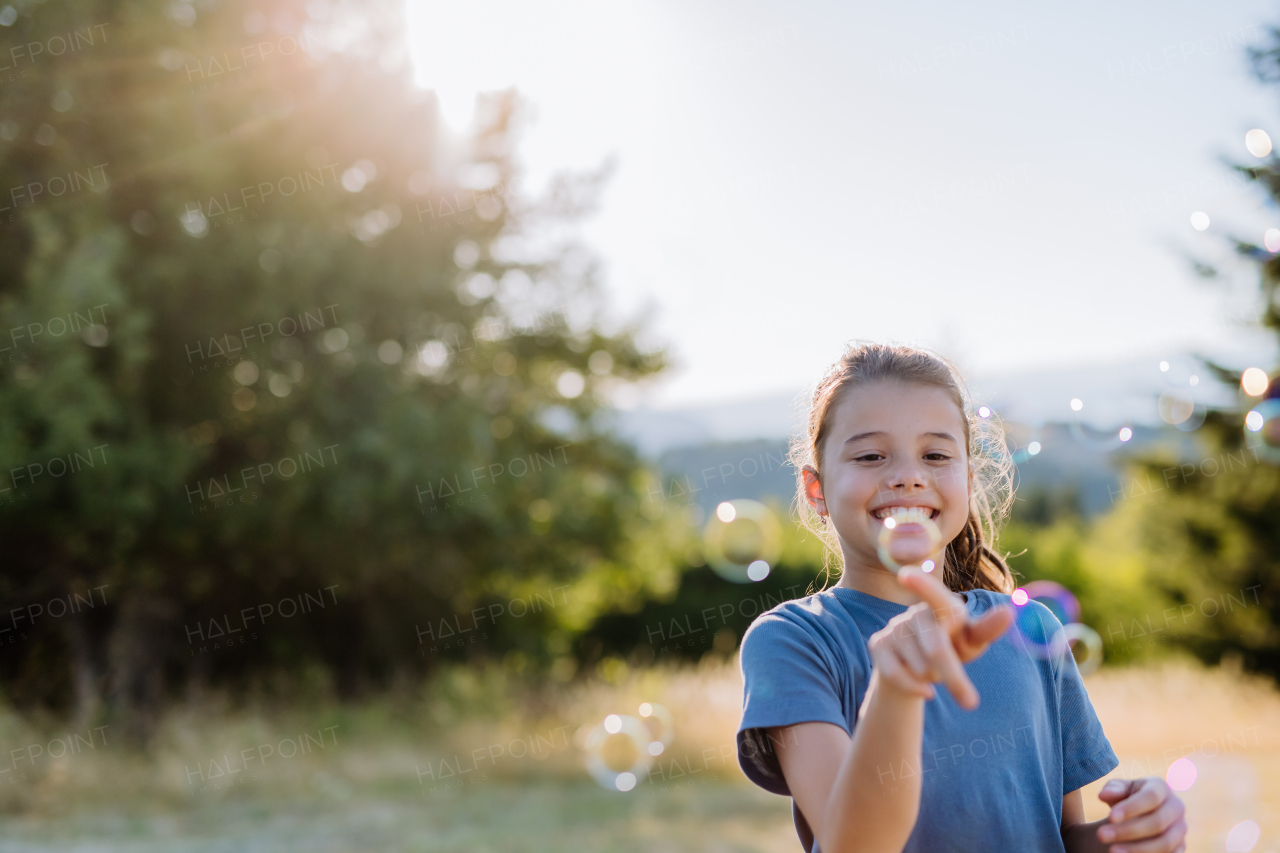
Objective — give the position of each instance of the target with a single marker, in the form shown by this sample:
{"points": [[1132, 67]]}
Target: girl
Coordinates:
{"points": [[840, 709]]}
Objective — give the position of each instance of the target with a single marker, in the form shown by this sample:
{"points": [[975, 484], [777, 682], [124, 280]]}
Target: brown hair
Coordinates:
{"points": [[970, 561]]}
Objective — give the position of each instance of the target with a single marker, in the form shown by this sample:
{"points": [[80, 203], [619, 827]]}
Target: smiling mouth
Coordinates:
{"points": [[906, 514]]}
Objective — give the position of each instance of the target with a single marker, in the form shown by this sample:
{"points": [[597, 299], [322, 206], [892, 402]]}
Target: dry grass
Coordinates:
{"points": [[372, 786]]}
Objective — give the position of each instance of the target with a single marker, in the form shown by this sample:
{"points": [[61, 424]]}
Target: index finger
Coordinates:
{"points": [[948, 608]]}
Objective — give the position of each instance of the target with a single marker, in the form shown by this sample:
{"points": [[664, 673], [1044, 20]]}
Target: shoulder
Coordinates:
{"points": [[813, 625], [979, 601]]}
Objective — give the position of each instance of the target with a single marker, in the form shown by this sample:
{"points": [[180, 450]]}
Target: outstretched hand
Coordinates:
{"points": [[932, 640]]}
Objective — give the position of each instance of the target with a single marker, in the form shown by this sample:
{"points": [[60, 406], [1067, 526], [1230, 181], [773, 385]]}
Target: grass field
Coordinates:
{"points": [[475, 767]]}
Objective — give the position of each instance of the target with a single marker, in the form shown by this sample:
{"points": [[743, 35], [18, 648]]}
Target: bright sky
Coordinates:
{"points": [[1012, 184]]}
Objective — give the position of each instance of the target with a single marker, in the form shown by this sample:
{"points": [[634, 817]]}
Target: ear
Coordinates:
{"points": [[813, 490]]}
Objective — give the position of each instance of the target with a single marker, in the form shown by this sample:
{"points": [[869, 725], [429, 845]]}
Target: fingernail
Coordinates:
{"points": [[1116, 815], [1119, 849], [1106, 833]]}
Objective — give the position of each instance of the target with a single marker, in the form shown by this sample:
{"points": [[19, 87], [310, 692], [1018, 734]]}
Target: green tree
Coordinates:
{"points": [[291, 267], [1213, 547]]}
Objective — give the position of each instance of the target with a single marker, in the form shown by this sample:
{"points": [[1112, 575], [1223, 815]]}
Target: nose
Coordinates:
{"points": [[906, 477]]}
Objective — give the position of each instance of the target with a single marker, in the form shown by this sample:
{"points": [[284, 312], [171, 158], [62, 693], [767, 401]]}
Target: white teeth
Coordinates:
{"points": [[905, 513]]}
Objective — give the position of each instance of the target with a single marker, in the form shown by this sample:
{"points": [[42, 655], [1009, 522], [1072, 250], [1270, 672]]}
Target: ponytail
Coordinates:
{"points": [[968, 563]]}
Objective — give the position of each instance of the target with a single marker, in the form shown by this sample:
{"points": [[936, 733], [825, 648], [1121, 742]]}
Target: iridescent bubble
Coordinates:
{"points": [[1182, 774], [1100, 440], [1243, 837], [661, 724], [741, 534], [1258, 143], [1255, 381], [1271, 240], [1024, 446], [1085, 645], [1262, 429], [1199, 220], [617, 752], [1034, 631], [1061, 602], [1076, 404], [1176, 406], [908, 538]]}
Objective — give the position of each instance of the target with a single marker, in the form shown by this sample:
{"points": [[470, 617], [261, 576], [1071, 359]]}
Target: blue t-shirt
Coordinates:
{"points": [[993, 778]]}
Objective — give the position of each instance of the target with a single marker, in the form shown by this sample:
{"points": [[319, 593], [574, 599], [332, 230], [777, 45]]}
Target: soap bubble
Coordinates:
{"points": [[1060, 600], [1178, 408], [1254, 381], [1085, 645], [1258, 142], [1099, 440], [1022, 452], [617, 752], [661, 724], [1182, 774], [1262, 430], [1035, 632], [908, 539], [741, 535], [1243, 837]]}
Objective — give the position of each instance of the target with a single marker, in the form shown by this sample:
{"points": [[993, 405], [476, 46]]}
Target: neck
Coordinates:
{"points": [[876, 580]]}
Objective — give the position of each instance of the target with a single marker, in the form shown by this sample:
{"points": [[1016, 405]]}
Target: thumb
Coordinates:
{"points": [[982, 632], [1114, 791]]}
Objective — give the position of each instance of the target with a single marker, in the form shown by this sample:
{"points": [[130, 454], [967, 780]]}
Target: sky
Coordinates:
{"points": [[1010, 184]]}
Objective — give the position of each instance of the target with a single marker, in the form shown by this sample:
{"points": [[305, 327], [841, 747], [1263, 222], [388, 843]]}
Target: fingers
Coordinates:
{"points": [[1168, 841], [1146, 826], [977, 635], [948, 608], [953, 675], [916, 658], [1145, 795], [890, 668], [1116, 790]]}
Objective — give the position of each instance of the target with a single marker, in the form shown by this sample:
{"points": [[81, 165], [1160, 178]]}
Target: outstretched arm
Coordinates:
{"points": [[851, 790]]}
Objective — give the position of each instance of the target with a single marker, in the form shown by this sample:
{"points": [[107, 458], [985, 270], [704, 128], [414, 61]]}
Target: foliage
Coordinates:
{"points": [[400, 326]]}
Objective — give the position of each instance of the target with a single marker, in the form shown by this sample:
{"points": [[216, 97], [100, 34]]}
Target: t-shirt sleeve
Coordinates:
{"points": [[788, 678], [1086, 752]]}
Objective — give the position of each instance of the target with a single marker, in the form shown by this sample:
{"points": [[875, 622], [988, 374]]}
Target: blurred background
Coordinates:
{"points": [[395, 396]]}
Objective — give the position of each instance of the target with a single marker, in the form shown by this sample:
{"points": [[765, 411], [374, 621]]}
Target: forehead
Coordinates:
{"points": [[897, 408]]}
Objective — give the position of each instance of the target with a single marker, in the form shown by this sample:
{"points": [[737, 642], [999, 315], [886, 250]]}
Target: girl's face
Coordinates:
{"points": [[891, 444]]}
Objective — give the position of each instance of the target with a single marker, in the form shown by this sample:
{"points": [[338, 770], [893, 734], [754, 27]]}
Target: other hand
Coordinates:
{"points": [[1146, 816]]}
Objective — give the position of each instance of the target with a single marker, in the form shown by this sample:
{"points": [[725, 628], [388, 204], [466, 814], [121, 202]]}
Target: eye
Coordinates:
{"points": [[937, 457], [868, 457]]}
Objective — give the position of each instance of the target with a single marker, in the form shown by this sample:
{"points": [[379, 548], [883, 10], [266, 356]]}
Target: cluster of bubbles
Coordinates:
{"points": [[1262, 423], [1258, 143], [619, 750], [1045, 638], [743, 540]]}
